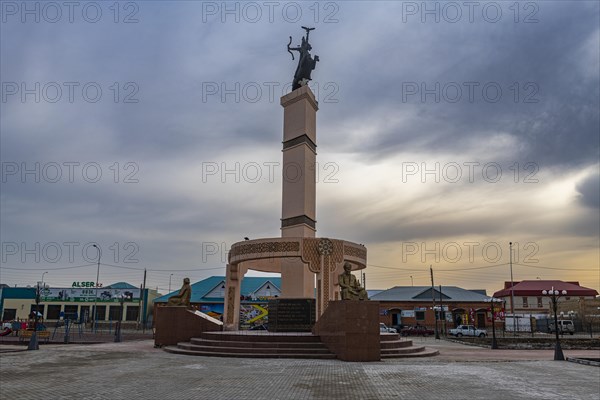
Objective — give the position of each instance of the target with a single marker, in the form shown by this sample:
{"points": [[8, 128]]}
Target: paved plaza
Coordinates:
{"points": [[136, 370]]}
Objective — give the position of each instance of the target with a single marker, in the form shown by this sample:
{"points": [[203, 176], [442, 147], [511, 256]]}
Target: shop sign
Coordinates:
{"points": [[78, 295], [85, 284]]}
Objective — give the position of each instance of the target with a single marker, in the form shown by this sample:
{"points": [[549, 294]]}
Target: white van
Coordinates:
{"points": [[564, 326]]}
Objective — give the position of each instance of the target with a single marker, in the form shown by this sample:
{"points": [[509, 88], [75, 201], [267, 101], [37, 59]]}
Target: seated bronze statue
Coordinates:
{"points": [[350, 288], [183, 297]]}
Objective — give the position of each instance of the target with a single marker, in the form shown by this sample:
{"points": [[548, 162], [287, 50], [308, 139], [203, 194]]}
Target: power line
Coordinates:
{"points": [[561, 269]]}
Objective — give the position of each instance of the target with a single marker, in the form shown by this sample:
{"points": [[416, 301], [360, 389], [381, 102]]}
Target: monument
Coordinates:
{"points": [[319, 294], [350, 288], [183, 297], [306, 64], [309, 266]]}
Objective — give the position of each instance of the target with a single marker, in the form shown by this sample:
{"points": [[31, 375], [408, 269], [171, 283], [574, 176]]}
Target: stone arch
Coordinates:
{"points": [[324, 257]]}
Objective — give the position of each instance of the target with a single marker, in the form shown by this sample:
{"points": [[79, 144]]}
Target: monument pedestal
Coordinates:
{"points": [[350, 330], [179, 324]]}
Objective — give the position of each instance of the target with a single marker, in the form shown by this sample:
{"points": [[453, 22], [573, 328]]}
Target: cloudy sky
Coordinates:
{"points": [[445, 131]]}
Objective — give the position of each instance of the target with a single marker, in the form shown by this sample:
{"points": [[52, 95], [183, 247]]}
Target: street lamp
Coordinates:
{"points": [[33, 342], [492, 300], [170, 282], [122, 298], [43, 277], [411, 281], [96, 296], [512, 293], [554, 295]]}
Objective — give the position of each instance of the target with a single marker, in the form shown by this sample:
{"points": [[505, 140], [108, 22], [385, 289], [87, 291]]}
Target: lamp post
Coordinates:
{"points": [[43, 277], [554, 295], [96, 296], [118, 327], [170, 282], [494, 342], [33, 342], [122, 298], [411, 281], [512, 293]]}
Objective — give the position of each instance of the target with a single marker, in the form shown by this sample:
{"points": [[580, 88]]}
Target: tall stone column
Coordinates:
{"points": [[298, 217]]}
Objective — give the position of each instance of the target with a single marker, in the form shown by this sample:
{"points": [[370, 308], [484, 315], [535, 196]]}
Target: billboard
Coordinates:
{"points": [[74, 295]]}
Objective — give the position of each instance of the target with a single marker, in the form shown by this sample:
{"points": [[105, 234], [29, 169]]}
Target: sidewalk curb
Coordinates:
{"points": [[583, 361]]}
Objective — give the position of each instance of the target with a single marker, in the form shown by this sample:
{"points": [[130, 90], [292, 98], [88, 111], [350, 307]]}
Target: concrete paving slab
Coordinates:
{"points": [[136, 370]]}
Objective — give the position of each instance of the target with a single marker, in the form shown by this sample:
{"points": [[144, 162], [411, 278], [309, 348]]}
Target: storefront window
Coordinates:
{"points": [[114, 313], [132, 313], [40, 308], [84, 313], [9, 314], [420, 315], [101, 313], [71, 312], [53, 311]]}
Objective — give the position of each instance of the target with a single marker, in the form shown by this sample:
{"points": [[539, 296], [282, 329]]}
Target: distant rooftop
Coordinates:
{"points": [[420, 293], [121, 285], [212, 289], [535, 287]]}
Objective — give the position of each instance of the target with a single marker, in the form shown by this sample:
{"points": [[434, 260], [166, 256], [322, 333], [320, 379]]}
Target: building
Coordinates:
{"points": [[16, 302], [208, 296], [529, 300], [77, 302], [532, 310], [412, 305]]}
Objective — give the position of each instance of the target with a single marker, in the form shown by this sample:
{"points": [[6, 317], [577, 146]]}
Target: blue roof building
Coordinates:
{"points": [[208, 296], [212, 290]]}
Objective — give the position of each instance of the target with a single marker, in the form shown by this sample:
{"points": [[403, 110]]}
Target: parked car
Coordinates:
{"points": [[416, 331], [383, 328], [564, 326], [467, 330]]}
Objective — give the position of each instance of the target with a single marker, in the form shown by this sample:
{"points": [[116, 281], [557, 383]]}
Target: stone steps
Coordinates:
{"points": [[281, 348], [301, 345], [178, 350], [261, 336], [388, 344], [256, 345], [418, 352]]}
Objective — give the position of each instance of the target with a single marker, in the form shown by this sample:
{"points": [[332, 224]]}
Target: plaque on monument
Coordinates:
{"points": [[291, 315]]}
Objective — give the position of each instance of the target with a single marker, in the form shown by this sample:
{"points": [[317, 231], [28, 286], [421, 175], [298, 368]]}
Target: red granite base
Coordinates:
{"points": [[350, 329], [178, 324]]}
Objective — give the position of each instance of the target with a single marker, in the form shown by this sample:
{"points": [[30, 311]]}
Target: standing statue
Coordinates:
{"points": [[183, 297], [306, 64], [349, 286]]}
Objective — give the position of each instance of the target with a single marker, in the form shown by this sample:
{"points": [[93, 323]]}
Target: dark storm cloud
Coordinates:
{"points": [[545, 59]]}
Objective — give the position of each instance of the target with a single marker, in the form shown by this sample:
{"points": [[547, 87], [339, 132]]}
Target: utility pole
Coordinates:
{"points": [[364, 280], [143, 301], [96, 295], [139, 317], [437, 334], [442, 312]]}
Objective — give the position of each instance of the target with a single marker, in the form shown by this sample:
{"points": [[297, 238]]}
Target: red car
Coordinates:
{"points": [[416, 331]]}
